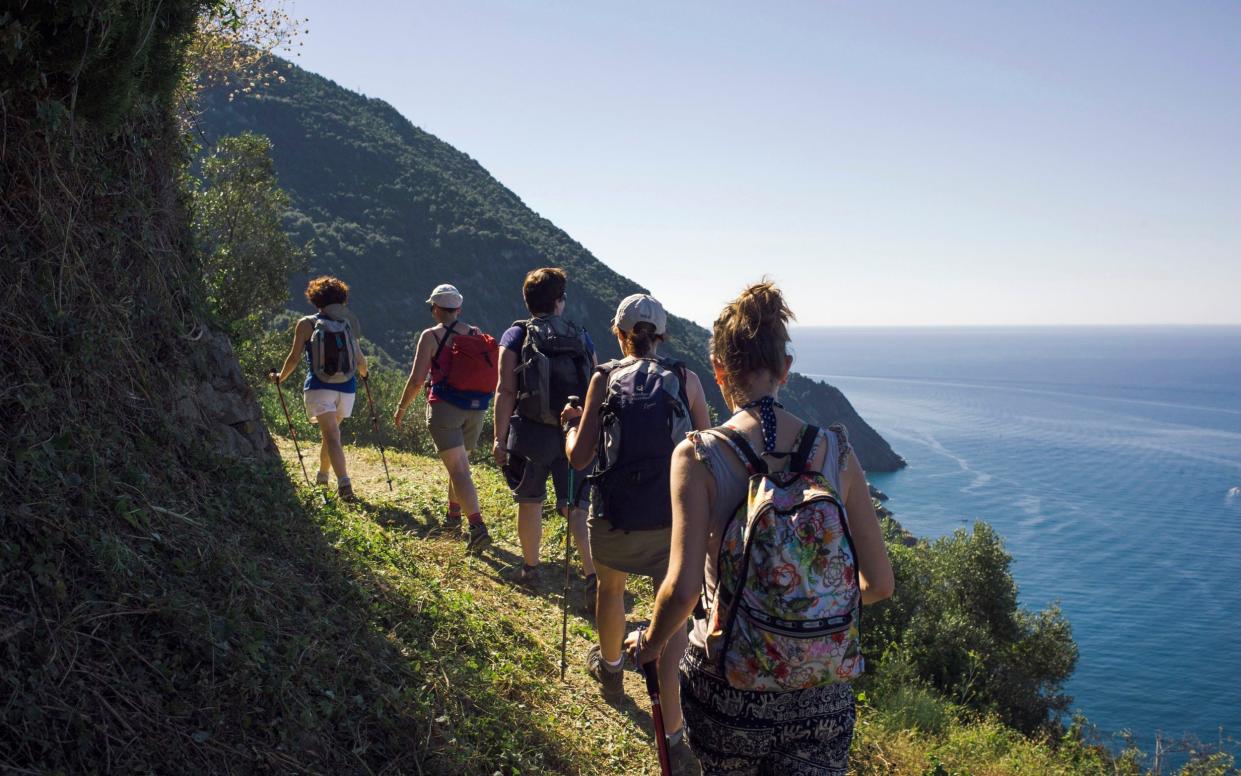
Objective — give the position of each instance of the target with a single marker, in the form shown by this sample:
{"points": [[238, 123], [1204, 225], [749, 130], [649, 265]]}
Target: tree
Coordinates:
{"points": [[238, 215], [954, 623]]}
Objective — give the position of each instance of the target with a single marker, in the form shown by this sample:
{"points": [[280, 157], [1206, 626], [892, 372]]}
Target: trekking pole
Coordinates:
{"points": [[292, 433], [375, 427], [568, 533], [651, 672]]}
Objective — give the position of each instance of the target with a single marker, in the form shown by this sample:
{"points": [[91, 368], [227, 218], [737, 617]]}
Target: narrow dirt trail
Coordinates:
{"points": [[598, 737]]}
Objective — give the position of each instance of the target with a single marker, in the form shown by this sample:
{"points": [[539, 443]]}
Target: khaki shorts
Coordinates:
{"points": [[320, 401], [635, 552], [452, 426]]}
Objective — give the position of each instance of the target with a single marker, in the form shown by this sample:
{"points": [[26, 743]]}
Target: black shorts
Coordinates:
{"points": [[536, 450]]}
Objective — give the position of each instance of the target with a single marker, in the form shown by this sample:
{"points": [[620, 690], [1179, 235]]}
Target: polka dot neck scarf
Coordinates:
{"points": [[767, 419]]}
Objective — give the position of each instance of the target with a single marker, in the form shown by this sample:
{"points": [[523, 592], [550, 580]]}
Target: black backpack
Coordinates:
{"points": [[644, 415], [554, 366]]}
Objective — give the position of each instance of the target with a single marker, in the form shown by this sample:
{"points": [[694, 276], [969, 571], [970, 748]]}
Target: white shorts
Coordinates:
{"points": [[323, 400]]}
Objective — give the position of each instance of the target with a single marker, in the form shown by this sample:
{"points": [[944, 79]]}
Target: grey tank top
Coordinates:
{"points": [[731, 484]]}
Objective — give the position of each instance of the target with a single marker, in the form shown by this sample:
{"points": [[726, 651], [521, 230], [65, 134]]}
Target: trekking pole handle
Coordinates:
{"points": [[650, 671], [575, 401]]}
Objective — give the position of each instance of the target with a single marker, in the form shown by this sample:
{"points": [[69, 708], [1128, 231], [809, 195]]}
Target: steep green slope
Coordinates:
{"points": [[395, 210]]}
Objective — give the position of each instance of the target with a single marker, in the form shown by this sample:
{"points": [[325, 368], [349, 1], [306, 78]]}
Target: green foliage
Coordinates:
{"points": [[96, 60], [954, 624], [238, 211]]}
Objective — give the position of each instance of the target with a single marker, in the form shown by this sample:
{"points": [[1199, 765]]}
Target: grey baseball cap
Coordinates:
{"points": [[446, 296], [640, 308]]}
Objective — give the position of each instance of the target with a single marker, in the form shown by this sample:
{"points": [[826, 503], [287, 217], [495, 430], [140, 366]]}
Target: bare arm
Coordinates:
{"points": [[301, 335], [363, 367], [580, 442], [417, 374], [692, 493], [874, 568], [698, 412], [506, 400]]}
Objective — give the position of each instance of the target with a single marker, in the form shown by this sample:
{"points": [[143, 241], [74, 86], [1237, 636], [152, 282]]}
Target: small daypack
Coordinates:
{"points": [[645, 413], [468, 373], [332, 350], [787, 604], [554, 366]]}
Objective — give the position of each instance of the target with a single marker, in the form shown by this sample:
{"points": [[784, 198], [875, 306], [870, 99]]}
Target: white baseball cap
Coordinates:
{"points": [[446, 296], [640, 308]]}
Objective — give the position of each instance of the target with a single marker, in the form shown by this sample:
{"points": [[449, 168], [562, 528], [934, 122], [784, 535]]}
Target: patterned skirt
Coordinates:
{"points": [[796, 733]]}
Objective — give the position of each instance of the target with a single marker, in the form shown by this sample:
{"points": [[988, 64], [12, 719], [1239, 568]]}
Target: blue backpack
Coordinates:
{"points": [[645, 414]]}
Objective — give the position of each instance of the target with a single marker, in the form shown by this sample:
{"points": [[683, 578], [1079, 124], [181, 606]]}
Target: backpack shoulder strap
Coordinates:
{"points": [[801, 459], [743, 447], [682, 373], [448, 332]]}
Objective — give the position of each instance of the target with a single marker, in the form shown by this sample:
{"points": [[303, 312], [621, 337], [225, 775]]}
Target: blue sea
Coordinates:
{"points": [[1109, 459]]}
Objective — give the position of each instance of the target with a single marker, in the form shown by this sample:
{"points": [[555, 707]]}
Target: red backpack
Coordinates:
{"points": [[468, 373]]}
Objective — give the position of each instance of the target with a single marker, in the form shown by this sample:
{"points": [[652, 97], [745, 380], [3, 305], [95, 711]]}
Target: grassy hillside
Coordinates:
{"points": [[480, 655], [395, 210]]}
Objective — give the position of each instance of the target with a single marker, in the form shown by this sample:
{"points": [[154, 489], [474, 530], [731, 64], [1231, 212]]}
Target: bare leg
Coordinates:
{"points": [[670, 679], [460, 483], [581, 537], [329, 427], [610, 613], [452, 494], [530, 531], [325, 462]]}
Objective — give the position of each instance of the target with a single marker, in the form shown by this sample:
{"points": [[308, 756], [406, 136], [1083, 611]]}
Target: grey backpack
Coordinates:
{"points": [[332, 350]]}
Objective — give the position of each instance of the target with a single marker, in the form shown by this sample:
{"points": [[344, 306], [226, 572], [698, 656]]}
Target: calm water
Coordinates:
{"points": [[1110, 460]]}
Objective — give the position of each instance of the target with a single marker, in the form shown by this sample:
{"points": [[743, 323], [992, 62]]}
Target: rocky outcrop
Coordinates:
{"points": [[826, 404], [215, 395]]}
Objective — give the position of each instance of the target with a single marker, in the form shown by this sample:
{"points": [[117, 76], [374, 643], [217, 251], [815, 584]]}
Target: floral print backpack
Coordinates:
{"points": [[787, 606]]}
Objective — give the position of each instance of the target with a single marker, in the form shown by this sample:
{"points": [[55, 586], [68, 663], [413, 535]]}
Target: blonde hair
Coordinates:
{"points": [[751, 335]]}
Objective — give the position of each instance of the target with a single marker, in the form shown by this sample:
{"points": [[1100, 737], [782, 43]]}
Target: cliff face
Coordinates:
{"points": [[395, 211]]}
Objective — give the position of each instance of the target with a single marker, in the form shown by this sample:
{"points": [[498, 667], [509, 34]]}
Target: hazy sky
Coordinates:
{"points": [[887, 163]]}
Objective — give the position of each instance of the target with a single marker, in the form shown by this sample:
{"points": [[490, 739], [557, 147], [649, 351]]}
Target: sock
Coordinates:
{"points": [[454, 509], [322, 478], [614, 667], [342, 482], [675, 737], [475, 519]]}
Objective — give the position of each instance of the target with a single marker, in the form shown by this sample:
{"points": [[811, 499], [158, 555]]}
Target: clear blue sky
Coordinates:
{"points": [[887, 163]]}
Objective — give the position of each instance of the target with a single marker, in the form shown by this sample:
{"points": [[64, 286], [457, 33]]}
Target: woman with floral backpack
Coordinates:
{"points": [[457, 363], [775, 545]]}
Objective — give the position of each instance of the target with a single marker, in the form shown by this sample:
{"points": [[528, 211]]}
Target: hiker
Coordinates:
{"points": [[543, 360], [457, 363], [637, 410], [329, 341], [765, 681]]}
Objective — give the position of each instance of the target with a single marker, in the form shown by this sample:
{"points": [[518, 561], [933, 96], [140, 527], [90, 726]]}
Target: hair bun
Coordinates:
{"points": [[762, 305]]}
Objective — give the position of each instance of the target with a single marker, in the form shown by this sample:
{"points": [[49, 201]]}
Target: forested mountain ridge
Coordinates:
{"points": [[395, 210]]}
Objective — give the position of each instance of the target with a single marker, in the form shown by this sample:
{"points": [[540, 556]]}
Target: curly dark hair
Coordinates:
{"points": [[325, 290]]}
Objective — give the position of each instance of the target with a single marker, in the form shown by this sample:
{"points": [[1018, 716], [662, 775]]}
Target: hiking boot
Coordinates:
{"points": [[345, 492], [612, 679], [528, 576], [682, 759], [590, 595], [451, 521], [479, 539], [322, 478]]}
